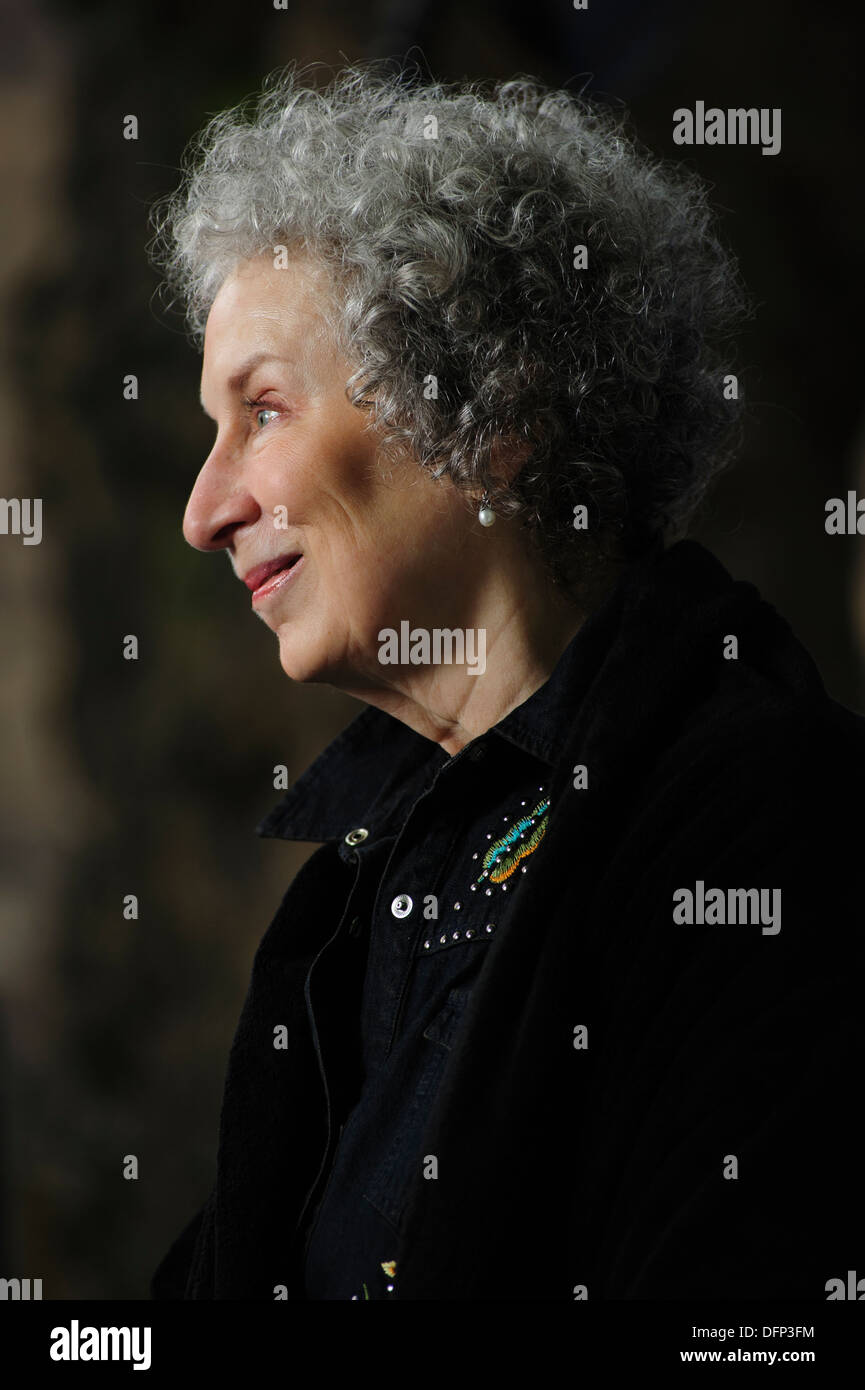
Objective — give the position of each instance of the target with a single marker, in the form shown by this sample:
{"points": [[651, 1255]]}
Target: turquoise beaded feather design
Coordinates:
{"points": [[505, 855]]}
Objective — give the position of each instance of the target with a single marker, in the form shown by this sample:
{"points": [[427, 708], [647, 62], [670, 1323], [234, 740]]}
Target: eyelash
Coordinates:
{"points": [[259, 405]]}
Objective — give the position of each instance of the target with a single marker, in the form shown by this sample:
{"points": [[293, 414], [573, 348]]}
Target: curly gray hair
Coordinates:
{"points": [[449, 219]]}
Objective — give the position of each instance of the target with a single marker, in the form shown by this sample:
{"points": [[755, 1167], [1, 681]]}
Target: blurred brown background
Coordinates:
{"points": [[148, 777]]}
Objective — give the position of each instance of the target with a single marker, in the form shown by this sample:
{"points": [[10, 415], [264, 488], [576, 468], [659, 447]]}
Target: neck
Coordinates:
{"points": [[524, 639]]}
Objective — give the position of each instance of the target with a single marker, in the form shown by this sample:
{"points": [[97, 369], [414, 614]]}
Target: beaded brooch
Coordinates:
{"points": [[505, 855], [501, 861]]}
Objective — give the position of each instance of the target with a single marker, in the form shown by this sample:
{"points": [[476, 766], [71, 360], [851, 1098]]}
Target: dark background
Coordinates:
{"points": [[148, 777]]}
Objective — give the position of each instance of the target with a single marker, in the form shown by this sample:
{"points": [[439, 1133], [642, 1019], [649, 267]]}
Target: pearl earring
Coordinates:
{"points": [[486, 515]]}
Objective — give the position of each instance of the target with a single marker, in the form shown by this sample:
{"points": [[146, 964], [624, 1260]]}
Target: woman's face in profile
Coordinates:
{"points": [[293, 481]]}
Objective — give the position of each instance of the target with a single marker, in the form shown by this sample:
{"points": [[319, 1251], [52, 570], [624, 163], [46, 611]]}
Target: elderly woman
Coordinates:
{"points": [[563, 1006]]}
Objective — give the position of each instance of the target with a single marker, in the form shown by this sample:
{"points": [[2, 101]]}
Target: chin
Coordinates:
{"points": [[298, 670], [305, 665]]}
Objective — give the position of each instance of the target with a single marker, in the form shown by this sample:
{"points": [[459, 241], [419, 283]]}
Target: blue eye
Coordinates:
{"points": [[259, 410]]}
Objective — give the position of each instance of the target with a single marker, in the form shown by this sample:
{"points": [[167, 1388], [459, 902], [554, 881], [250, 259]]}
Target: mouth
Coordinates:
{"points": [[272, 575]]}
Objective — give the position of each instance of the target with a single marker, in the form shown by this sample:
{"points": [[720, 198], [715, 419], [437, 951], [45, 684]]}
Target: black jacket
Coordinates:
{"points": [[703, 1142]]}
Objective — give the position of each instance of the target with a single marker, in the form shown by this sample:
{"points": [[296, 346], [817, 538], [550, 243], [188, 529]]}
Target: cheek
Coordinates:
{"points": [[335, 469]]}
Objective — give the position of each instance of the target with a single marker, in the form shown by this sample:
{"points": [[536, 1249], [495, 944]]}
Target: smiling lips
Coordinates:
{"points": [[263, 578]]}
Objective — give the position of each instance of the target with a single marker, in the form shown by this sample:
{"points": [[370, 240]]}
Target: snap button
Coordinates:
{"points": [[401, 905], [356, 837]]}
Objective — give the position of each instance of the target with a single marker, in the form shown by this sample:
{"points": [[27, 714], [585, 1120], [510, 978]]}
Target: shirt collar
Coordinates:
{"points": [[361, 779]]}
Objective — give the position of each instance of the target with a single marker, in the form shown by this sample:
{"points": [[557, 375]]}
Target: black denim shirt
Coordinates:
{"points": [[440, 847], [565, 1169]]}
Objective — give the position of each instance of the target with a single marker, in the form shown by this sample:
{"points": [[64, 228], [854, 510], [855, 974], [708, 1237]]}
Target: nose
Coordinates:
{"points": [[218, 506]]}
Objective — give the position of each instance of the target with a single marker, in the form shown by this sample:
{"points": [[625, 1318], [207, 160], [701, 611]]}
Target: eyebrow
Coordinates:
{"points": [[239, 378]]}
